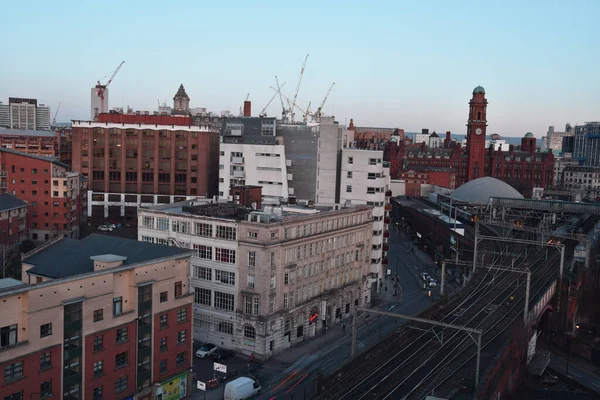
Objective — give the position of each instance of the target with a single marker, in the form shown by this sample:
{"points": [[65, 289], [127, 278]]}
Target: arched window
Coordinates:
{"points": [[249, 332], [478, 115]]}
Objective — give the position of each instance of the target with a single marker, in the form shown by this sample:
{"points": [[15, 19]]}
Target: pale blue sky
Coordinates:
{"points": [[407, 64]]}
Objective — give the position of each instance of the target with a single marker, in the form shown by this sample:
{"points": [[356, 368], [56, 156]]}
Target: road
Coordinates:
{"points": [[579, 374]]}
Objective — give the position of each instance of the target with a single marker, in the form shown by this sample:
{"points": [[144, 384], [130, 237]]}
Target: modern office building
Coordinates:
{"points": [[57, 196], [24, 114], [102, 317], [586, 143], [266, 280], [4, 116]]}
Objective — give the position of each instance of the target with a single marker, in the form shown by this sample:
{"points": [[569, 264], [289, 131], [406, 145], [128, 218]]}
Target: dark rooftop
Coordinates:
{"points": [[10, 202], [43, 158], [220, 210], [27, 132], [70, 257]]}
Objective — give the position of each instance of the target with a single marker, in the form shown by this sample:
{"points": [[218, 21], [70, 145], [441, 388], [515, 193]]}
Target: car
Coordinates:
{"points": [[222, 354], [206, 350], [112, 226], [425, 276], [432, 283], [105, 228]]}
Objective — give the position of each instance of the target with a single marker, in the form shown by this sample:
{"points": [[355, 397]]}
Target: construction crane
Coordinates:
{"points": [[56, 113], [298, 87], [320, 109], [283, 109], [263, 113], [287, 98], [102, 88]]}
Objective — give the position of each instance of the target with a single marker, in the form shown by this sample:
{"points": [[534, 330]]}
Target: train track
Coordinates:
{"points": [[393, 354]]}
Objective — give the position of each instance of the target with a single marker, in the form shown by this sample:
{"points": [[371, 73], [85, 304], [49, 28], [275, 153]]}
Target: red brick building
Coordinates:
{"points": [[523, 168], [13, 219], [414, 177], [57, 196], [102, 317], [39, 143]]}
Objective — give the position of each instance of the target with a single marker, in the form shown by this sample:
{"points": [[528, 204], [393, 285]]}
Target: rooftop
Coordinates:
{"points": [[19, 132], [9, 282], [69, 257], [52, 160], [480, 190], [10, 202]]}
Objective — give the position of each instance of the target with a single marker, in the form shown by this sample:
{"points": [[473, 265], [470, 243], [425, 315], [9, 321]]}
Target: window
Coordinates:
{"points": [[225, 255], [121, 360], [121, 384], [252, 235], [117, 306], [350, 160], [99, 343], [349, 189], [13, 371], [286, 278], [203, 252], [255, 306], [272, 285], [182, 315], [164, 296], [248, 305], [202, 273], [202, 296], [249, 332], [181, 336], [15, 396], [349, 175], [225, 277], [180, 226], [45, 361], [226, 327], [46, 330], [8, 336], [180, 358], [122, 335], [148, 222], [226, 232], [203, 229], [163, 366], [98, 315], [224, 301], [163, 321], [98, 368], [252, 258], [251, 281], [98, 393], [163, 344], [162, 224], [34, 171], [45, 389], [178, 289]]}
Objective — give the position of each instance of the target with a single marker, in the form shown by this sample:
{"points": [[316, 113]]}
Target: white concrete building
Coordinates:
{"points": [[23, 113], [42, 117], [434, 141], [4, 115], [499, 144], [365, 179], [264, 281], [419, 138], [254, 164]]}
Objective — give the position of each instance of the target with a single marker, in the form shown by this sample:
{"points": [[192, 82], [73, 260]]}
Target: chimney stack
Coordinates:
{"points": [[247, 108]]}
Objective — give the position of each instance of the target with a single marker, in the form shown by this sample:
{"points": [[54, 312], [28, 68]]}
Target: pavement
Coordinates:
{"points": [[579, 370], [293, 373]]}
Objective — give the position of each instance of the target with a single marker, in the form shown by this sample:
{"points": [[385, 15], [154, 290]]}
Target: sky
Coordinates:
{"points": [[405, 64]]}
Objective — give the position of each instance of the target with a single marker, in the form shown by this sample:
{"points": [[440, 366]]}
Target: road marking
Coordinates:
{"points": [[595, 384]]}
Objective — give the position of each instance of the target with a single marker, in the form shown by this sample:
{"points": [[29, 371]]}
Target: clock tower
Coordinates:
{"points": [[476, 131]]}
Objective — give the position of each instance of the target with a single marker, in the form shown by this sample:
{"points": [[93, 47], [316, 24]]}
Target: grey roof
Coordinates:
{"points": [[9, 282], [70, 257], [434, 134], [181, 93], [23, 132], [53, 160], [108, 258], [10, 202], [479, 191]]}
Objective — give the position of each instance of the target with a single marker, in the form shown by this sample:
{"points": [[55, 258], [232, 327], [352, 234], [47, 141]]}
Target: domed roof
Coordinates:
{"points": [[529, 135], [479, 89], [479, 191]]}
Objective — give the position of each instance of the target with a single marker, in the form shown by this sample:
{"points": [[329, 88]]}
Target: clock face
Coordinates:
{"points": [[478, 131]]}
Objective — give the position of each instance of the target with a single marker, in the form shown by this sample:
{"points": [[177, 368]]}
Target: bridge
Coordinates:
{"points": [[514, 286]]}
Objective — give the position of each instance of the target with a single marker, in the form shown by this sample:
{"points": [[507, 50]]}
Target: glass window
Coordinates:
{"points": [[224, 301], [121, 360], [117, 306], [13, 371], [202, 296], [251, 281], [182, 315], [122, 335], [202, 273], [203, 252], [46, 330], [98, 368], [249, 332], [181, 337], [45, 361], [121, 384], [98, 315], [252, 258]]}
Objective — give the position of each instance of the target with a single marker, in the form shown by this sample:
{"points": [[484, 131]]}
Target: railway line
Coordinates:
{"points": [[384, 360]]}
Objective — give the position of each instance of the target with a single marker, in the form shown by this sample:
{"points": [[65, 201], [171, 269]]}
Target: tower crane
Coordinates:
{"points": [[305, 113], [283, 109], [298, 87], [102, 88], [55, 114], [263, 113], [320, 109]]}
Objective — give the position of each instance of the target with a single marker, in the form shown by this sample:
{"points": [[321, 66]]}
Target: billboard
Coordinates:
{"points": [[173, 389]]}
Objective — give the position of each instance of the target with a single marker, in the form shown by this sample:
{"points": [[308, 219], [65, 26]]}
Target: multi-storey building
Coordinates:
{"points": [[586, 143], [560, 163], [13, 219], [4, 115], [142, 154], [265, 280], [582, 179], [41, 143], [554, 139], [365, 179], [23, 113], [57, 196], [42, 117], [103, 317]]}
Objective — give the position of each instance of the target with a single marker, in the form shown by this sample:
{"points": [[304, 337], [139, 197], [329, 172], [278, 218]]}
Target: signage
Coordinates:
{"points": [[389, 271], [221, 368], [173, 389], [418, 235], [201, 386], [312, 317]]}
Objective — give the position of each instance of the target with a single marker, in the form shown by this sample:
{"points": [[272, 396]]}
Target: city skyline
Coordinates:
{"points": [[398, 65]]}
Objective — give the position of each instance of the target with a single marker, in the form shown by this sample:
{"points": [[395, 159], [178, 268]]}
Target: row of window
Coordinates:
{"points": [[185, 227], [322, 246], [310, 291], [220, 300], [209, 323], [324, 226], [204, 273]]}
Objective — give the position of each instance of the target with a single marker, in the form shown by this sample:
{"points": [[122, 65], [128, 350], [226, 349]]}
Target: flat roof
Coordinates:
{"points": [[26, 132], [9, 282], [69, 257]]}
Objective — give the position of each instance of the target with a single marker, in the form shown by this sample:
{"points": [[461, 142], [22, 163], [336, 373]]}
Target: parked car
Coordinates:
{"points": [[206, 350], [222, 354], [112, 226], [425, 276], [432, 282], [241, 388], [105, 228]]}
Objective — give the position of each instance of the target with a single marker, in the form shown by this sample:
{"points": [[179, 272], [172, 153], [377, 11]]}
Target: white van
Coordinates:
{"points": [[241, 388]]}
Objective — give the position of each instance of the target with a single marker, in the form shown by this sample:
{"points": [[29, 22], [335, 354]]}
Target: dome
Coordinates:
{"points": [[529, 135], [479, 89], [478, 191]]}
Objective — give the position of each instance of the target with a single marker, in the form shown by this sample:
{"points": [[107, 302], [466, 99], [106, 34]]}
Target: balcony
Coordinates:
{"points": [[386, 234], [237, 160], [387, 220]]}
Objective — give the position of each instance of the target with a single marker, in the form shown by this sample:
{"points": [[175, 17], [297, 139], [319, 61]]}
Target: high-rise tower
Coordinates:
{"points": [[476, 130]]}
